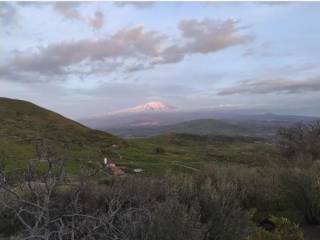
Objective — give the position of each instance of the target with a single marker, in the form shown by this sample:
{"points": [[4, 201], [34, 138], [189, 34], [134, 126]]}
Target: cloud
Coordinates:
{"points": [[98, 20], [204, 37], [8, 13], [274, 86], [263, 49], [275, 3], [138, 5], [128, 50], [208, 36], [68, 10], [90, 55]]}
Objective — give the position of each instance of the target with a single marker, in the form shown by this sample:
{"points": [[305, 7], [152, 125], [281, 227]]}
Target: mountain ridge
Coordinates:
{"points": [[245, 127], [162, 118]]}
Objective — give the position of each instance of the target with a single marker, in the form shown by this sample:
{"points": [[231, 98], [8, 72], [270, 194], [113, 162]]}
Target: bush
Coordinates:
{"points": [[301, 142], [285, 230], [219, 203], [135, 208], [302, 192], [9, 224], [172, 220], [159, 150]]}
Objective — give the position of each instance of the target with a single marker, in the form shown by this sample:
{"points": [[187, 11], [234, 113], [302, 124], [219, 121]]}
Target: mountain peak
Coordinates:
{"points": [[154, 106]]}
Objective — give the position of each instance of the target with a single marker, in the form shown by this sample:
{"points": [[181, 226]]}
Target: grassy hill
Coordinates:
{"points": [[23, 125]]}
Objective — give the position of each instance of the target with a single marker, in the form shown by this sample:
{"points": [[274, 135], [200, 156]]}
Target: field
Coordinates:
{"points": [[188, 153]]}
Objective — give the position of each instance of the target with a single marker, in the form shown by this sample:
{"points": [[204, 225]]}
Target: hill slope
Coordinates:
{"points": [[24, 124], [25, 121]]}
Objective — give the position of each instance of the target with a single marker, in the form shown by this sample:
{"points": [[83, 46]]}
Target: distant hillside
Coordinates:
{"points": [[200, 127], [23, 124], [148, 118]]}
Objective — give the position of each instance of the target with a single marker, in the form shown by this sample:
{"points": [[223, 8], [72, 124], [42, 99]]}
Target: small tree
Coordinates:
{"points": [[301, 142]]}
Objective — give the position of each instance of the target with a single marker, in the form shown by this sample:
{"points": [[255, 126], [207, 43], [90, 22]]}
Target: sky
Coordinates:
{"points": [[83, 59]]}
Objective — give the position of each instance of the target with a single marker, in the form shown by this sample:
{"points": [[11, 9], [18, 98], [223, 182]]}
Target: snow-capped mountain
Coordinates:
{"points": [[156, 114], [155, 106], [148, 114]]}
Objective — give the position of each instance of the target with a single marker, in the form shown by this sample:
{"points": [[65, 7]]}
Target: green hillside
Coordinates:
{"points": [[23, 125], [188, 152]]}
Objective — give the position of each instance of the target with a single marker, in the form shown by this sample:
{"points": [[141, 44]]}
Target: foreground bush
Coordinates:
{"points": [[46, 206], [285, 230], [216, 204], [302, 193]]}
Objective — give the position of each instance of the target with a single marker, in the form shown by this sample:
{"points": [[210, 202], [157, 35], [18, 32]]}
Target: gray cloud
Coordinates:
{"points": [[98, 20], [138, 5], [8, 13], [204, 37], [274, 86], [128, 50], [275, 3], [68, 10], [211, 35], [60, 58]]}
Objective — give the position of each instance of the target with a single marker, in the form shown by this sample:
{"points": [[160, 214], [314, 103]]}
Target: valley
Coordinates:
{"points": [[247, 154], [193, 144]]}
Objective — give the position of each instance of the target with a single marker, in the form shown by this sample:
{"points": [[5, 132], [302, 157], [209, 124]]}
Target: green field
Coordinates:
{"points": [[186, 152], [171, 152]]}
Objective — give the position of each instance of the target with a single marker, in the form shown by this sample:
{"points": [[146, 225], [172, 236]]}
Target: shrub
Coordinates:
{"points": [[221, 211], [285, 230], [301, 142], [302, 193], [172, 220], [219, 204], [159, 150]]}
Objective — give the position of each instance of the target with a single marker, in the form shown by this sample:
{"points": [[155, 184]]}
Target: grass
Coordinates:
{"points": [[186, 152], [25, 122], [156, 155], [24, 125]]}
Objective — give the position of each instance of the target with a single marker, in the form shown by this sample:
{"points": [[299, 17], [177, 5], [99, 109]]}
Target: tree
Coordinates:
{"points": [[301, 142]]}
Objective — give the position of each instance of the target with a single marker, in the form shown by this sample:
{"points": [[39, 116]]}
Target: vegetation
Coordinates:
{"points": [[301, 142], [24, 125], [204, 127], [284, 230], [219, 203], [52, 185], [189, 153]]}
